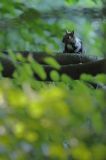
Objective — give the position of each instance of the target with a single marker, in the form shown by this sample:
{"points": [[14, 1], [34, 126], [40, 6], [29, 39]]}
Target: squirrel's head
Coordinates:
{"points": [[69, 37]]}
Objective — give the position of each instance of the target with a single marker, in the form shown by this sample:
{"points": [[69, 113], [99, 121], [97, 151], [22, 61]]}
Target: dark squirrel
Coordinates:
{"points": [[72, 43]]}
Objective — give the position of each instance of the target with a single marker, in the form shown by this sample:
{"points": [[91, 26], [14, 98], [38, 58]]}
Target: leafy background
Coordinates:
{"points": [[39, 25], [51, 120]]}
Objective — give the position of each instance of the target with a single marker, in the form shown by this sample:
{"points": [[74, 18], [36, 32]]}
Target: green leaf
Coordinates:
{"points": [[65, 78], [101, 78], [52, 62], [37, 68], [97, 122], [54, 75], [71, 2]]}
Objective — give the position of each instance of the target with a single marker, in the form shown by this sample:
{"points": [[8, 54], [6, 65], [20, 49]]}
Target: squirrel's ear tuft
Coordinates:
{"points": [[72, 32], [66, 31]]}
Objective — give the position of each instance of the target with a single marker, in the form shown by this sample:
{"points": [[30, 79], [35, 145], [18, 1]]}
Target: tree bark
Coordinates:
{"points": [[61, 58], [71, 64]]}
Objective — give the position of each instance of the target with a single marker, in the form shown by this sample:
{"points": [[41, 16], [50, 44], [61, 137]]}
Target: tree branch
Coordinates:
{"points": [[71, 64], [61, 58], [75, 70]]}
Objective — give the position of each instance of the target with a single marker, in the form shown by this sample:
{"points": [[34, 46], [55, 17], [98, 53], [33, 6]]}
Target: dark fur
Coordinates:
{"points": [[69, 39]]}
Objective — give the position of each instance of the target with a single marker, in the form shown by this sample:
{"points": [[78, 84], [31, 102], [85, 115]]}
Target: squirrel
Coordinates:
{"points": [[72, 43]]}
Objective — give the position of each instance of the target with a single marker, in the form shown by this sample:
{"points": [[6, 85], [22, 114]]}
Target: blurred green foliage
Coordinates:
{"points": [[39, 25], [55, 121], [50, 120]]}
